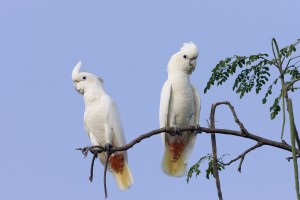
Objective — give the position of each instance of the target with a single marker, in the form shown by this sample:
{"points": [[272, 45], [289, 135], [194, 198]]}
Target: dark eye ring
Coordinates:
{"points": [[184, 56], [84, 78]]}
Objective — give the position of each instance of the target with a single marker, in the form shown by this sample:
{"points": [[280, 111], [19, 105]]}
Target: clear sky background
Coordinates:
{"points": [[128, 44]]}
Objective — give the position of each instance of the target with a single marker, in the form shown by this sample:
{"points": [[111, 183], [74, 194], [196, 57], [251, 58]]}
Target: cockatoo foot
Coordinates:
{"points": [[175, 130], [108, 147], [197, 128], [93, 151]]}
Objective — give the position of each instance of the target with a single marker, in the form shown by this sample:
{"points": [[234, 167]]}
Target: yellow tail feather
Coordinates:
{"points": [[173, 168], [124, 179]]}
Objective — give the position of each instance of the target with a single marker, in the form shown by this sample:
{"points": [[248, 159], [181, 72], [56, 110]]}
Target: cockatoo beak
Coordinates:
{"points": [[75, 72], [193, 62]]}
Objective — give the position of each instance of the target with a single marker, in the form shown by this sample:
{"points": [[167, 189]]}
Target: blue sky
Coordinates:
{"points": [[128, 44]]}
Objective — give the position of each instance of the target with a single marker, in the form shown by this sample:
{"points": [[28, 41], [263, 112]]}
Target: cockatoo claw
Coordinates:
{"points": [[198, 127], [108, 147], [175, 130]]}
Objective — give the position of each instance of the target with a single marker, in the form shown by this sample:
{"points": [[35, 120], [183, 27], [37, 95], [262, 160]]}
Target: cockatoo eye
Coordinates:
{"points": [[84, 78], [184, 56]]}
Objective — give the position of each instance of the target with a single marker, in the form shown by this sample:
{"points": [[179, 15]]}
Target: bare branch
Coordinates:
{"points": [[280, 145], [242, 156], [92, 167], [288, 87], [255, 137], [290, 158], [93, 149], [214, 151], [97, 149], [287, 65], [236, 119], [105, 170]]}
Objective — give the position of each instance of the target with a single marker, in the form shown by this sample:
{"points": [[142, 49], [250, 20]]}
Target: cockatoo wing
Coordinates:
{"points": [[113, 121], [113, 124], [192, 137], [114, 130], [164, 107], [197, 104]]}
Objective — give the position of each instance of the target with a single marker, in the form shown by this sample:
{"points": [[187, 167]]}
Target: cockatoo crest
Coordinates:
{"points": [[84, 80], [185, 59], [190, 49]]}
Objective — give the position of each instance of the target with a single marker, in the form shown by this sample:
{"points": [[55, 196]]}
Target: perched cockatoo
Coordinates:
{"points": [[179, 107], [103, 124]]}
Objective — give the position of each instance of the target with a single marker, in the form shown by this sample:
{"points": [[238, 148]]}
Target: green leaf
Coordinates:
{"points": [[243, 61], [273, 115], [228, 60], [264, 100], [234, 65]]}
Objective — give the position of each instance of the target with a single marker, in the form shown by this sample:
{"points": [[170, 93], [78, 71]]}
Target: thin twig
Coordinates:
{"points": [[287, 65], [290, 158], [92, 167], [288, 86], [242, 156], [105, 170], [93, 149], [236, 119]]}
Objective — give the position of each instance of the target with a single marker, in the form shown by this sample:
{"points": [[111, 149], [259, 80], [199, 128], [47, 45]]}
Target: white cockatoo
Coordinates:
{"points": [[179, 107], [102, 123]]}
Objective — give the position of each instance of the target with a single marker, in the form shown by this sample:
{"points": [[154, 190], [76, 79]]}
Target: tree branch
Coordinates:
{"points": [[290, 158], [242, 156], [214, 151], [92, 167], [255, 137], [288, 86], [236, 119], [96, 149]]}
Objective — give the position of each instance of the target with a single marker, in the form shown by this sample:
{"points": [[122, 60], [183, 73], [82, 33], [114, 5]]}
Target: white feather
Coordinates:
{"points": [[164, 107]]}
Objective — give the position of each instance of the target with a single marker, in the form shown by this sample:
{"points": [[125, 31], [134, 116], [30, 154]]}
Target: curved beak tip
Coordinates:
{"points": [[193, 63]]}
